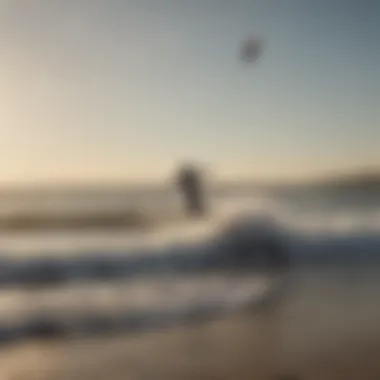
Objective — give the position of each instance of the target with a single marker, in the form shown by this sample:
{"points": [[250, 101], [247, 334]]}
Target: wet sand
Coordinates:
{"points": [[326, 327]]}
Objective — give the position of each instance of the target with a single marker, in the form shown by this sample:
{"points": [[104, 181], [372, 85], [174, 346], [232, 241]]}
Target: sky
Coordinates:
{"points": [[125, 90]]}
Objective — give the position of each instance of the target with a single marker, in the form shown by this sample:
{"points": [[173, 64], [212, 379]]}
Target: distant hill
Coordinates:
{"points": [[360, 180], [353, 181]]}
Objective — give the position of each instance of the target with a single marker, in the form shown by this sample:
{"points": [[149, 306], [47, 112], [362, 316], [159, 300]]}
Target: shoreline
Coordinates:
{"points": [[326, 327], [243, 347]]}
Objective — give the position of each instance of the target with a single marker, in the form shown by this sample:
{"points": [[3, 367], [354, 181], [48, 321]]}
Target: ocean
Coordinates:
{"points": [[333, 239]]}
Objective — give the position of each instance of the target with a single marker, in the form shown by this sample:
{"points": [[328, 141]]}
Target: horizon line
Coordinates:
{"points": [[123, 182]]}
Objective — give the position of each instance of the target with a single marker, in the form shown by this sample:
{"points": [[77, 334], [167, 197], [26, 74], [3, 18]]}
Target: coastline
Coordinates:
{"points": [[325, 328]]}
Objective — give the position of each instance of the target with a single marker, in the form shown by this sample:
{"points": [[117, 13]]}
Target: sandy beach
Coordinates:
{"points": [[326, 327]]}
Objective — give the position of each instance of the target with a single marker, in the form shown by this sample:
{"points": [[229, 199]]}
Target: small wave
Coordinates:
{"points": [[176, 301], [219, 252]]}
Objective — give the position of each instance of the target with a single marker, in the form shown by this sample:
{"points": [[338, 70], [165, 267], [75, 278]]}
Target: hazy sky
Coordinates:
{"points": [[116, 89]]}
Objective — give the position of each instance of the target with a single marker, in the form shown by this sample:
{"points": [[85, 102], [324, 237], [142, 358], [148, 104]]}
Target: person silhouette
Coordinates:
{"points": [[191, 188]]}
